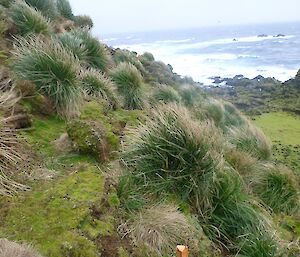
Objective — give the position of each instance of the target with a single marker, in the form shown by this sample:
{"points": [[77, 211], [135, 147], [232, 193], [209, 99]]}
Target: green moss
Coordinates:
{"points": [[44, 132], [122, 252], [50, 213], [90, 138], [75, 245], [94, 227], [113, 200]]}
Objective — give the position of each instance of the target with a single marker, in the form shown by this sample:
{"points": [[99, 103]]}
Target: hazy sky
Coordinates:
{"points": [[115, 16]]}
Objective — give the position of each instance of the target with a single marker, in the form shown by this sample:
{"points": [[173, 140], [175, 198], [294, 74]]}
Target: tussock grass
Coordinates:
{"points": [[64, 9], [129, 82], [172, 153], [166, 94], [96, 84], [224, 114], [277, 187], [12, 249], [128, 57], [28, 20], [237, 223], [83, 21], [242, 162], [161, 227], [46, 7], [252, 140], [190, 95], [216, 110], [52, 69], [87, 49], [232, 116]]}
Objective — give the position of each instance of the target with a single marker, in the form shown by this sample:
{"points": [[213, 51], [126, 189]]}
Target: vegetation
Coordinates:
{"points": [[252, 140], [52, 69], [28, 20], [47, 7], [166, 227], [129, 83], [87, 48], [123, 157], [64, 9], [11, 249], [277, 188], [96, 84], [166, 94], [83, 21]]}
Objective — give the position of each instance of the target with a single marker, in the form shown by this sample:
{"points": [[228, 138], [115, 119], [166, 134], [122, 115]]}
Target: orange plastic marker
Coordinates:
{"points": [[182, 251]]}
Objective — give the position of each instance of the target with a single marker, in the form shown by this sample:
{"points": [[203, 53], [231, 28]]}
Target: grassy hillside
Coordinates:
{"points": [[104, 152]]}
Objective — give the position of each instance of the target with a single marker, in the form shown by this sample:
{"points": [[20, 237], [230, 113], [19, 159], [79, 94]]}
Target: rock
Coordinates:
{"points": [[279, 35], [262, 35], [90, 137]]}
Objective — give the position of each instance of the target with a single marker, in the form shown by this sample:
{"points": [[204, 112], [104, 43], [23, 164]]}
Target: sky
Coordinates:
{"points": [[122, 16]]}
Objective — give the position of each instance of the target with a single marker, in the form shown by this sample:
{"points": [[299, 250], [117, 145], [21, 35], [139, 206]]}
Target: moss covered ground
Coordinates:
{"points": [[65, 214]]}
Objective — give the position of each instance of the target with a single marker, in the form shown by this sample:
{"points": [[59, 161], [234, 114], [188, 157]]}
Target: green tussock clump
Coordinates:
{"points": [[128, 57], [235, 221], [232, 116], [173, 153], [129, 82], [252, 140], [28, 20], [87, 49], [52, 69], [190, 95], [96, 84], [224, 114], [83, 21], [46, 7], [64, 9], [277, 188], [166, 94]]}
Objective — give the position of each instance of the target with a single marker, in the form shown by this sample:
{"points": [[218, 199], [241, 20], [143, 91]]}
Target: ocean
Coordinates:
{"points": [[270, 50]]}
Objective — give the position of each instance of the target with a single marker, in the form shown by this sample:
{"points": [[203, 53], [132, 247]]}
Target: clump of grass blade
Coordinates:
{"points": [[166, 94], [28, 20], [129, 82], [96, 84], [12, 249], [250, 139], [129, 57], [277, 187], [161, 227], [47, 7], [87, 49], [52, 69], [64, 9], [172, 153]]}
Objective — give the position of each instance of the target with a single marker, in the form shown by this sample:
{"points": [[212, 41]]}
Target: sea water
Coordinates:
{"points": [[270, 50]]}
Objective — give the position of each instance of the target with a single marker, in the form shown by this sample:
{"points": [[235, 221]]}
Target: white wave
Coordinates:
{"points": [[110, 39], [173, 41], [225, 41], [203, 66]]}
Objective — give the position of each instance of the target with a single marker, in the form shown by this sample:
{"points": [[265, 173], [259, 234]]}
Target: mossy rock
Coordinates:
{"points": [[90, 137]]}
